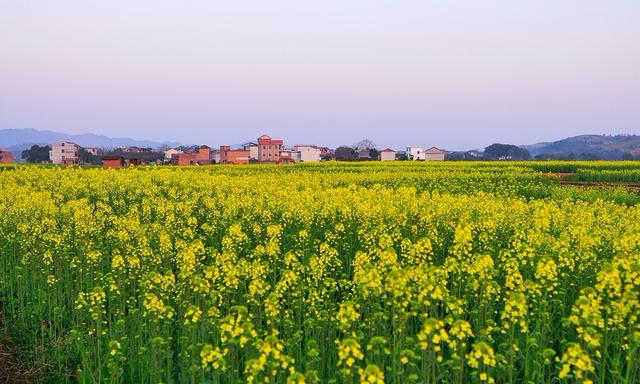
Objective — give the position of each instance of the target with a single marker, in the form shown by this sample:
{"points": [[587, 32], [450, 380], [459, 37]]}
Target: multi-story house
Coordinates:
{"points": [[416, 153], [269, 149], [64, 153]]}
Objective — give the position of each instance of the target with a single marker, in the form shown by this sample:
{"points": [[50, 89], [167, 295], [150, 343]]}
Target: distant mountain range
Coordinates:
{"points": [[601, 146], [17, 140]]}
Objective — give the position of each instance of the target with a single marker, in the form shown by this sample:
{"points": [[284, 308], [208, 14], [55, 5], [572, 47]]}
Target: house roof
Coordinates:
{"points": [[388, 150], [266, 139], [435, 149]]}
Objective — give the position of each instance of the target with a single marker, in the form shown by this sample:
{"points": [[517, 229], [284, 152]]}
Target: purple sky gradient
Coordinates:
{"points": [[455, 74]]}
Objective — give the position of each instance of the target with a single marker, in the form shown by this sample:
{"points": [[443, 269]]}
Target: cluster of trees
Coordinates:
{"points": [[350, 153], [36, 154], [493, 152], [567, 156], [506, 152]]}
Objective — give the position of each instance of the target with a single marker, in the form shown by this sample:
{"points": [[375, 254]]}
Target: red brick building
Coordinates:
{"points": [[201, 157], [120, 161], [6, 157], [112, 162], [233, 156], [269, 149]]}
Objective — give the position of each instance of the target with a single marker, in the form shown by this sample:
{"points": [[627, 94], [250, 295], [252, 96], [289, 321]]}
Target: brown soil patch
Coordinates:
{"points": [[11, 372], [564, 175], [632, 187]]}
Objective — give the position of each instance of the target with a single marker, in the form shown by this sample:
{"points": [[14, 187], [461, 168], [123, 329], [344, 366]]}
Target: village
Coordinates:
{"points": [[265, 150]]}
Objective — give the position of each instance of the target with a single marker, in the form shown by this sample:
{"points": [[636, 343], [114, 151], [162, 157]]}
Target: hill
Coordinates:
{"points": [[602, 146]]}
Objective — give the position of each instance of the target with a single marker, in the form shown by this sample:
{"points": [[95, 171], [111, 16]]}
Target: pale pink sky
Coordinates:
{"points": [[456, 74]]}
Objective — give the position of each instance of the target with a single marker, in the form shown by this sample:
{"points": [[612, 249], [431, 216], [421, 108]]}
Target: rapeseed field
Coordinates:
{"points": [[322, 273]]}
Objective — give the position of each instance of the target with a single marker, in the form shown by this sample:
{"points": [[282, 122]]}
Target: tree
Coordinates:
{"points": [[455, 156], [364, 144], [373, 153], [345, 153], [87, 157], [506, 152], [188, 148], [36, 154]]}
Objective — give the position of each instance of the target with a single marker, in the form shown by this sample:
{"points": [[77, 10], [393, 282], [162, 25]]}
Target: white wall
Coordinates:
{"points": [[308, 153]]}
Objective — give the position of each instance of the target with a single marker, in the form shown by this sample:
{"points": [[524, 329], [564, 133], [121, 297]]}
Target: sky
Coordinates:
{"points": [[456, 74]]}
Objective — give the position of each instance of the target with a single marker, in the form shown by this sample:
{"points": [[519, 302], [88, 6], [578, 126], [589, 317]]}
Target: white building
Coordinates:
{"points": [[168, 154], [415, 153], [253, 150], [387, 154], [434, 154], [64, 153], [93, 151], [308, 152]]}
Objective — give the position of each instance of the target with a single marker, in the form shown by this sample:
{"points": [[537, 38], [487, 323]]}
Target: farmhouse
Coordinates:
{"points": [[168, 154], [364, 154], [434, 154], [6, 156], [287, 157], [387, 154], [120, 161]]}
